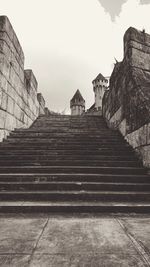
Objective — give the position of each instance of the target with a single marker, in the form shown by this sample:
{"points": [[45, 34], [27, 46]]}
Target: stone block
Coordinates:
{"points": [[4, 66], [19, 124], [2, 119], [24, 95], [10, 122], [3, 82], [5, 26], [11, 92], [2, 135], [21, 74], [14, 64], [10, 105], [41, 100], [18, 47], [116, 119], [140, 59], [15, 81], [30, 80], [5, 49], [17, 111], [4, 101], [122, 127], [144, 153], [148, 134], [138, 138]]}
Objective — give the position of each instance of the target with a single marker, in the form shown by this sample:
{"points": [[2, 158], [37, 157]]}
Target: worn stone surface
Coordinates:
{"points": [[78, 240], [18, 88]]}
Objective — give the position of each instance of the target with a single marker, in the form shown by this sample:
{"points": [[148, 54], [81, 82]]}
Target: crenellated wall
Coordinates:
{"points": [[126, 106], [19, 102]]}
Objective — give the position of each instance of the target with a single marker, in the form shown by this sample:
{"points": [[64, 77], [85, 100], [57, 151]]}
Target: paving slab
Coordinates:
{"points": [[19, 234], [74, 240], [13, 260]]}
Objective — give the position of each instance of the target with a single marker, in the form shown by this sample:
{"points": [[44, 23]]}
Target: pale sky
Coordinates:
{"points": [[68, 42]]}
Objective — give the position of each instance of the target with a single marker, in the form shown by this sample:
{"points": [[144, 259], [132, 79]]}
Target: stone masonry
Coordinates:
{"points": [[19, 103], [126, 106]]}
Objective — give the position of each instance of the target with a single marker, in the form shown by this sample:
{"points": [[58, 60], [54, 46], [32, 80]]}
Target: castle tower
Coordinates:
{"points": [[99, 88], [77, 104]]}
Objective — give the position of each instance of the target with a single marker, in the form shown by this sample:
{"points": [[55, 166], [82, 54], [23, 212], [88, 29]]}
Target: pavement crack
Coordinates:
{"points": [[37, 241], [137, 244]]}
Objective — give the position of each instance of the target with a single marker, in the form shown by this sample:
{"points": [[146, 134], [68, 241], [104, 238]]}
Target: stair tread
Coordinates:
{"points": [[72, 182], [76, 192], [73, 203], [76, 174], [69, 167]]}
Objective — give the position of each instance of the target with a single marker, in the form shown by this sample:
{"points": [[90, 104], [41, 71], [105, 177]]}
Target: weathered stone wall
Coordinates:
{"points": [[19, 104], [126, 106]]}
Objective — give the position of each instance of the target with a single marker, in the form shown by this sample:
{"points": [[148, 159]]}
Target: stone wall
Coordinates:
{"points": [[126, 106], [19, 103]]}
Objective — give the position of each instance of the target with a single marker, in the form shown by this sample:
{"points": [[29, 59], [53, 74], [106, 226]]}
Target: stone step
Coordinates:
{"points": [[74, 207], [69, 135], [75, 195], [73, 186], [72, 169], [66, 141], [55, 152], [40, 136], [29, 162], [65, 148], [75, 157], [71, 141], [54, 146], [78, 177], [89, 132]]}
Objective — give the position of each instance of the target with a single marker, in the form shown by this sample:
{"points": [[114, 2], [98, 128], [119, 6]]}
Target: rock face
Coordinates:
{"points": [[126, 106], [19, 105]]}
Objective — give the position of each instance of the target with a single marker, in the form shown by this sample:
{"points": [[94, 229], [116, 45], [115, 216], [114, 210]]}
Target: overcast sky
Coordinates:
{"points": [[68, 42]]}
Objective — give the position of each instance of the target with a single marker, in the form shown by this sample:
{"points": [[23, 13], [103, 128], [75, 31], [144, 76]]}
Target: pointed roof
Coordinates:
{"points": [[99, 77], [77, 97]]}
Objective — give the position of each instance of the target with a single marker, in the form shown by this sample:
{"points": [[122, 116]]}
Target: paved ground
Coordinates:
{"points": [[74, 240]]}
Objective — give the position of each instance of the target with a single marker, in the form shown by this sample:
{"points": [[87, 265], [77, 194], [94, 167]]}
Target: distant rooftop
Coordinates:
{"points": [[99, 77], [77, 97]]}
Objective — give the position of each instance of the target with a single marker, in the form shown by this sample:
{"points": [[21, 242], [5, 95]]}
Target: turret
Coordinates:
{"points": [[77, 104], [100, 84]]}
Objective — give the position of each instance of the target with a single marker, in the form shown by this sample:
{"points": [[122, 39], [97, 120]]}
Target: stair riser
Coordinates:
{"points": [[67, 158], [80, 149], [75, 209], [62, 152], [74, 187], [74, 178], [68, 163], [68, 134], [64, 142], [64, 146], [49, 170], [36, 134], [73, 197]]}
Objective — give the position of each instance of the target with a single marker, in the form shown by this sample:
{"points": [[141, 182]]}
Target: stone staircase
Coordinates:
{"points": [[71, 164]]}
